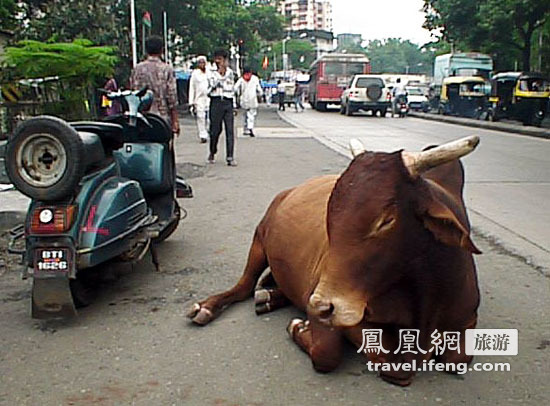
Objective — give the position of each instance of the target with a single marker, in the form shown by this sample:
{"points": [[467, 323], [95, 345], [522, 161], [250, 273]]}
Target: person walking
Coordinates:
{"points": [[221, 84], [159, 77], [198, 97], [281, 95], [298, 97], [249, 89]]}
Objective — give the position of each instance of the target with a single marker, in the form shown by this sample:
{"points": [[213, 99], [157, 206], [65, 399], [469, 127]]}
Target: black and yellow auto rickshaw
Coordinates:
{"points": [[464, 96], [519, 96]]}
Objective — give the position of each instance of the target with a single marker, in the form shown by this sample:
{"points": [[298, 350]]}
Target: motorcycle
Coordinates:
{"points": [[100, 191], [400, 107]]}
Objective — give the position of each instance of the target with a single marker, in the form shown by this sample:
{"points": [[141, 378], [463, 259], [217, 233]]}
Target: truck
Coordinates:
{"points": [[462, 64]]}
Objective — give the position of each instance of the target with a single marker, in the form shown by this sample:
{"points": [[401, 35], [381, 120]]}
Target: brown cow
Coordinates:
{"points": [[385, 245]]}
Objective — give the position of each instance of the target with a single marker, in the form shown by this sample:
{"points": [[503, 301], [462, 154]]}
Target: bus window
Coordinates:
{"points": [[334, 68], [355, 68]]}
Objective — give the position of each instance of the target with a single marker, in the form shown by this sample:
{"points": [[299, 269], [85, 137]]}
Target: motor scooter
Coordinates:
{"points": [[101, 191], [400, 107]]}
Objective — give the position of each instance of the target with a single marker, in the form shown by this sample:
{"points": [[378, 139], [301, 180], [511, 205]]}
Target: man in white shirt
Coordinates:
{"points": [[198, 97], [221, 84], [399, 93], [249, 89]]}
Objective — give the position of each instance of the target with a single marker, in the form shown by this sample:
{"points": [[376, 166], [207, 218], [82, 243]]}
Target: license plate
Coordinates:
{"points": [[52, 260]]}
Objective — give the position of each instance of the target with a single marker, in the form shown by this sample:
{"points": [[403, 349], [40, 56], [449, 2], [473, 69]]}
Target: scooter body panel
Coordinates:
{"points": [[115, 212], [149, 164]]}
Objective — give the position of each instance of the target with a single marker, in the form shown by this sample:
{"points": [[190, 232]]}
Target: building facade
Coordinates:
{"points": [[306, 14]]}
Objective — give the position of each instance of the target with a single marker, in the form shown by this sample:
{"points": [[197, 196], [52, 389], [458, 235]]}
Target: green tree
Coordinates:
{"points": [[79, 65], [201, 25], [301, 54], [78, 61], [104, 22], [8, 10], [399, 56], [503, 28]]}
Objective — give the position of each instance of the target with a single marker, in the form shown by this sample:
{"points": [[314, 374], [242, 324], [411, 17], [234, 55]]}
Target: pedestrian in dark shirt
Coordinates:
{"points": [[281, 94], [221, 84]]}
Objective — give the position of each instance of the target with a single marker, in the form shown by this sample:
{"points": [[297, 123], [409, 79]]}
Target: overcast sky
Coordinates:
{"points": [[378, 19]]}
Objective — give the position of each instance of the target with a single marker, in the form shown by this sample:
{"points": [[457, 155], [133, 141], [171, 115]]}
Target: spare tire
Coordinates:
{"points": [[374, 92], [45, 158]]}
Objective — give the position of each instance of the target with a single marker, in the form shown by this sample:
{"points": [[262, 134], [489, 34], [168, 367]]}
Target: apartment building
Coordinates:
{"points": [[307, 14]]}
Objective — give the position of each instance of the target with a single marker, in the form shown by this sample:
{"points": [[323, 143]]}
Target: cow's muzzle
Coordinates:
{"points": [[334, 313], [320, 308]]}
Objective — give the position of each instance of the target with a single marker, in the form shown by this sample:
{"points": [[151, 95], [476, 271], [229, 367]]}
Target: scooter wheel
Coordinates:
{"points": [[44, 158], [83, 292]]}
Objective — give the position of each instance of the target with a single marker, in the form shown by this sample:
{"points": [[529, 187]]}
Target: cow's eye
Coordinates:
{"points": [[383, 224]]}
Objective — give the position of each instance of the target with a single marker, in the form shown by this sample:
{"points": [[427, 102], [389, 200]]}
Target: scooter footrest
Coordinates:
{"points": [[183, 189]]}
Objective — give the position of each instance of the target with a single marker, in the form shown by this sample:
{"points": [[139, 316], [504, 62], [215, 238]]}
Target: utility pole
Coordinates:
{"points": [[540, 50], [133, 32], [166, 55]]}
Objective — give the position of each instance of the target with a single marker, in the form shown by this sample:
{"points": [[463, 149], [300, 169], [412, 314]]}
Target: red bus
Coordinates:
{"points": [[331, 74]]}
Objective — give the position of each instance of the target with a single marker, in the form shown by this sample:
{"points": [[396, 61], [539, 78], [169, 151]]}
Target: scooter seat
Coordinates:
{"points": [[111, 134]]}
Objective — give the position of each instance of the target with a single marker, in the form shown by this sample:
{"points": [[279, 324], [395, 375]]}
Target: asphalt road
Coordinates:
{"points": [[507, 177], [133, 346]]}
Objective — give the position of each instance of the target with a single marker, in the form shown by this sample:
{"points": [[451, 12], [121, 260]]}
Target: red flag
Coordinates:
{"points": [[146, 19], [265, 62]]}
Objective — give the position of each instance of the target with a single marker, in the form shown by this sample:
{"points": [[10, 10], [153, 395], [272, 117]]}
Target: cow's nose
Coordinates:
{"points": [[320, 307]]}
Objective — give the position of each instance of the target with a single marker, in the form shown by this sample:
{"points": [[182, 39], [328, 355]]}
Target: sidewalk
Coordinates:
{"points": [[191, 154]]}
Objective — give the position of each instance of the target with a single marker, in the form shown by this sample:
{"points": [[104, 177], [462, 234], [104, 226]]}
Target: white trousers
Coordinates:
{"points": [[249, 118], [203, 122]]}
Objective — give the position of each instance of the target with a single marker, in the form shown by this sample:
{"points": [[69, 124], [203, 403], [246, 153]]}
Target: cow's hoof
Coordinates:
{"points": [[200, 315], [296, 324], [262, 296], [262, 308]]}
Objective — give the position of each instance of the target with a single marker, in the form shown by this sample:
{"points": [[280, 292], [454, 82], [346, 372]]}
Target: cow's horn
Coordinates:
{"points": [[356, 147], [418, 162]]}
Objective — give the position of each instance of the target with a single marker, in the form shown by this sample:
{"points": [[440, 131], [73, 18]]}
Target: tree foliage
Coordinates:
{"points": [[201, 25], [78, 61], [504, 28], [301, 54], [400, 56], [8, 10]]}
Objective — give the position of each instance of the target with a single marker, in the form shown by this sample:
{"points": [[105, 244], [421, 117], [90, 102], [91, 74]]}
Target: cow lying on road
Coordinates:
{"points": [[386, 245]]}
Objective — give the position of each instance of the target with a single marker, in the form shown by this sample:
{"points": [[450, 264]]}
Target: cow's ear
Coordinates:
{"points": [[446, 226]]}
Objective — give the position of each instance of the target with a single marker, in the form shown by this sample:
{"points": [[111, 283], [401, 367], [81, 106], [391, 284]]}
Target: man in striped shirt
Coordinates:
{"points": [[221, 84]]}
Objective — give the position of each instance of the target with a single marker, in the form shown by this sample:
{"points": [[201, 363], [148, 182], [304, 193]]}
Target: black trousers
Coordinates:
{"points": [[281, 101], [221, 110]]}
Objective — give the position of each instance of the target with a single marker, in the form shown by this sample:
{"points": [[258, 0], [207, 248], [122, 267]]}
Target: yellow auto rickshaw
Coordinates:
{"points": [[519, 96], [464, 96]]}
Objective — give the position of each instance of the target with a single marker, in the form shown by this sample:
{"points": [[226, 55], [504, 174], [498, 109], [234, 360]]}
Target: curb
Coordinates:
{"points": [[330, 144], [504, 127]]}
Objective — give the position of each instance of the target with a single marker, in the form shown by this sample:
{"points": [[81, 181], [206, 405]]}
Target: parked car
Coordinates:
{"points": [[417, 99], [368, 93]]}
